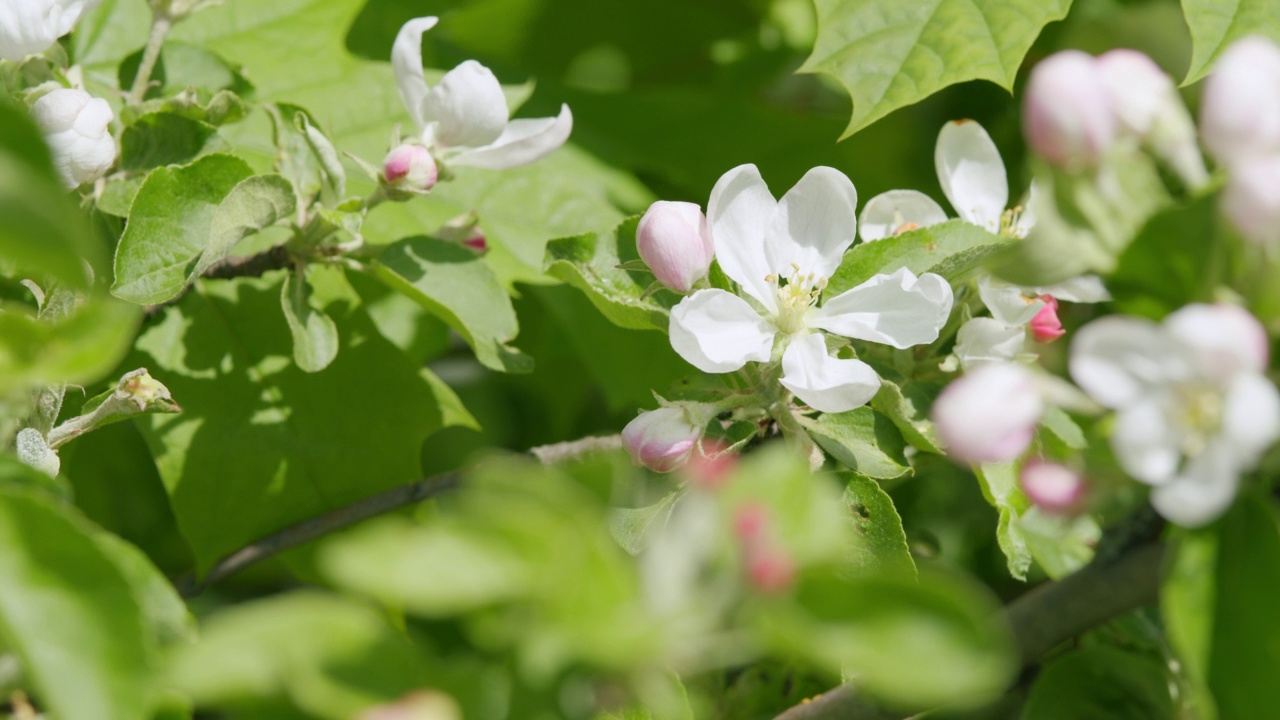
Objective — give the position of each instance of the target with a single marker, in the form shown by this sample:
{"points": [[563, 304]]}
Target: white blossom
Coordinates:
{"points": [[76, 126], [464, 119], [1240, 108], [1193, 407], [31, 26], [782, 254]]}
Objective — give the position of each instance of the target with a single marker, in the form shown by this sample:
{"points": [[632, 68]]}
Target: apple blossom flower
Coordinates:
{"points": [[409, 167], [1045, 326], [990, 414], [673, 240], [781, 254], [1249, 199], [1067, 111], [31, 26], [1240, 109], [1193, 407], [1054, 488], [75, 124], [464, 119], [1016, 309], [661, 439]]}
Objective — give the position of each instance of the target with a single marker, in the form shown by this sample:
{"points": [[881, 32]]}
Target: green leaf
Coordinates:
{"points": [[456, 286], [889, 54], [1101, 683], [862, 439], [166, 616], [1188, 595], [1058, 422], [163, 138], [935, 641], [69, 614], [254, 425], [1216, 24], [590, 263], [15, 475], [882, 543], [907, 406], [253, 204], [1060, 545], [77, 349], [951, 249], [169, 226], [631, 526], [315, 336], [999, 485]]}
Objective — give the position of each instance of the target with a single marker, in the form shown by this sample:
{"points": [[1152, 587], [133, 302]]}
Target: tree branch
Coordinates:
{"points": [[276, 258], [1042, 618]]}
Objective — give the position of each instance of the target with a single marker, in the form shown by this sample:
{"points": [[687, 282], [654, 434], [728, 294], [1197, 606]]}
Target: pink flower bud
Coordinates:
{"points": [[410, 167], [769, 568], [675, 243], [1250, 200], [1052, 487], [711, 468], [750, 522], [1067, 111], [1045, 326], [661, 439], [1240, 108], [476, 241], [990, 414]]}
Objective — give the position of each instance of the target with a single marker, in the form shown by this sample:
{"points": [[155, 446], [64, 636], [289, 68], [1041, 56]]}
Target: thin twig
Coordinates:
{"points": [[160, 26], [275, 258], [560, 452]]}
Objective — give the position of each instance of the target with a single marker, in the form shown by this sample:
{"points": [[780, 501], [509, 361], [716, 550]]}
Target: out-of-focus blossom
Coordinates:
{"points": [[1054, 488], [1067, 112], [31, 26], [990, 414]]}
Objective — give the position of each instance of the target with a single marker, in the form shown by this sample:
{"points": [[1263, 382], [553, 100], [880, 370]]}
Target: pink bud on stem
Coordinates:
{"points": [[673, 240], [1054, 488], [1045, 326], [410, 167]]}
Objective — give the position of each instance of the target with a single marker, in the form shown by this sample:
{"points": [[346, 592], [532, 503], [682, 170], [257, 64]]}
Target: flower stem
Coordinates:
{"points": [[160, 26]]}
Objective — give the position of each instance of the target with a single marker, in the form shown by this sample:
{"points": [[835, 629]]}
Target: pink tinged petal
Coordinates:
{"points": [[1250, 201], [990, 414], [899, 309], [1052, 487], [1203, 491], [1240, 108], [984, 340], [1146, 440], [1008, 303], [898, 211], [740, 209], [1080, 289], [522, 142], [1224, 339], [1251, 417], [1045, 326], [467, 109], [815, 223], [825, 383], [406, 61], [972, 173], [661, 439], [673, 240], [718, 332], [1067, 114], [410, 167], [1117, 359]]}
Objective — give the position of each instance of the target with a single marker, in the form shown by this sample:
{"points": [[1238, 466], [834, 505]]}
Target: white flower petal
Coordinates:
{"points": [[467, 109], [1146, 442], [1027, 214], [718, 332], [1008, 303], [972, 173], [1202, 492], [985, 340], [1225, 339], [1117, 359], [890, 213], [1081, 289], [522, 142], [406, 61], [825, 383], [899, 309], [740, 209], [1251, 417], [815, 223]]}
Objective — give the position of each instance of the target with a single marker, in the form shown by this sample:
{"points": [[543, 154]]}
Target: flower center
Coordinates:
{"points": [[1009, 223], [796, 295], [1201, 407]]}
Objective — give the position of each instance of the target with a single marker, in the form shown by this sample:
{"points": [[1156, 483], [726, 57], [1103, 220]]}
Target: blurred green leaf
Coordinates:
{"points": [[1171, 261], [80, 348], [70, 614], [1059, 545], [166, 615], [163, 138], [456, 286], [1065, 429], [169, 226], [16, 475], [590, 263], [951, 249], [888, 54], [999, 485], [907, 406], [862, 439], [1188, 595], [1216, 24], [882, 544], [1101, 683], [315, 336]]}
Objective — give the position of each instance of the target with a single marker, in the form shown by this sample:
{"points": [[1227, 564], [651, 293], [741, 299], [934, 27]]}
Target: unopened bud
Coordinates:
{"points": [[465, 231], [1045, 326], [410, 167], [420, 705], [674, 241], [769, 568], [711, 468], [989, 415], [1054, 488], [76, 126], [1240, 108], [751, 522], [661, 439], [1250, 201], [1067, 112]]}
